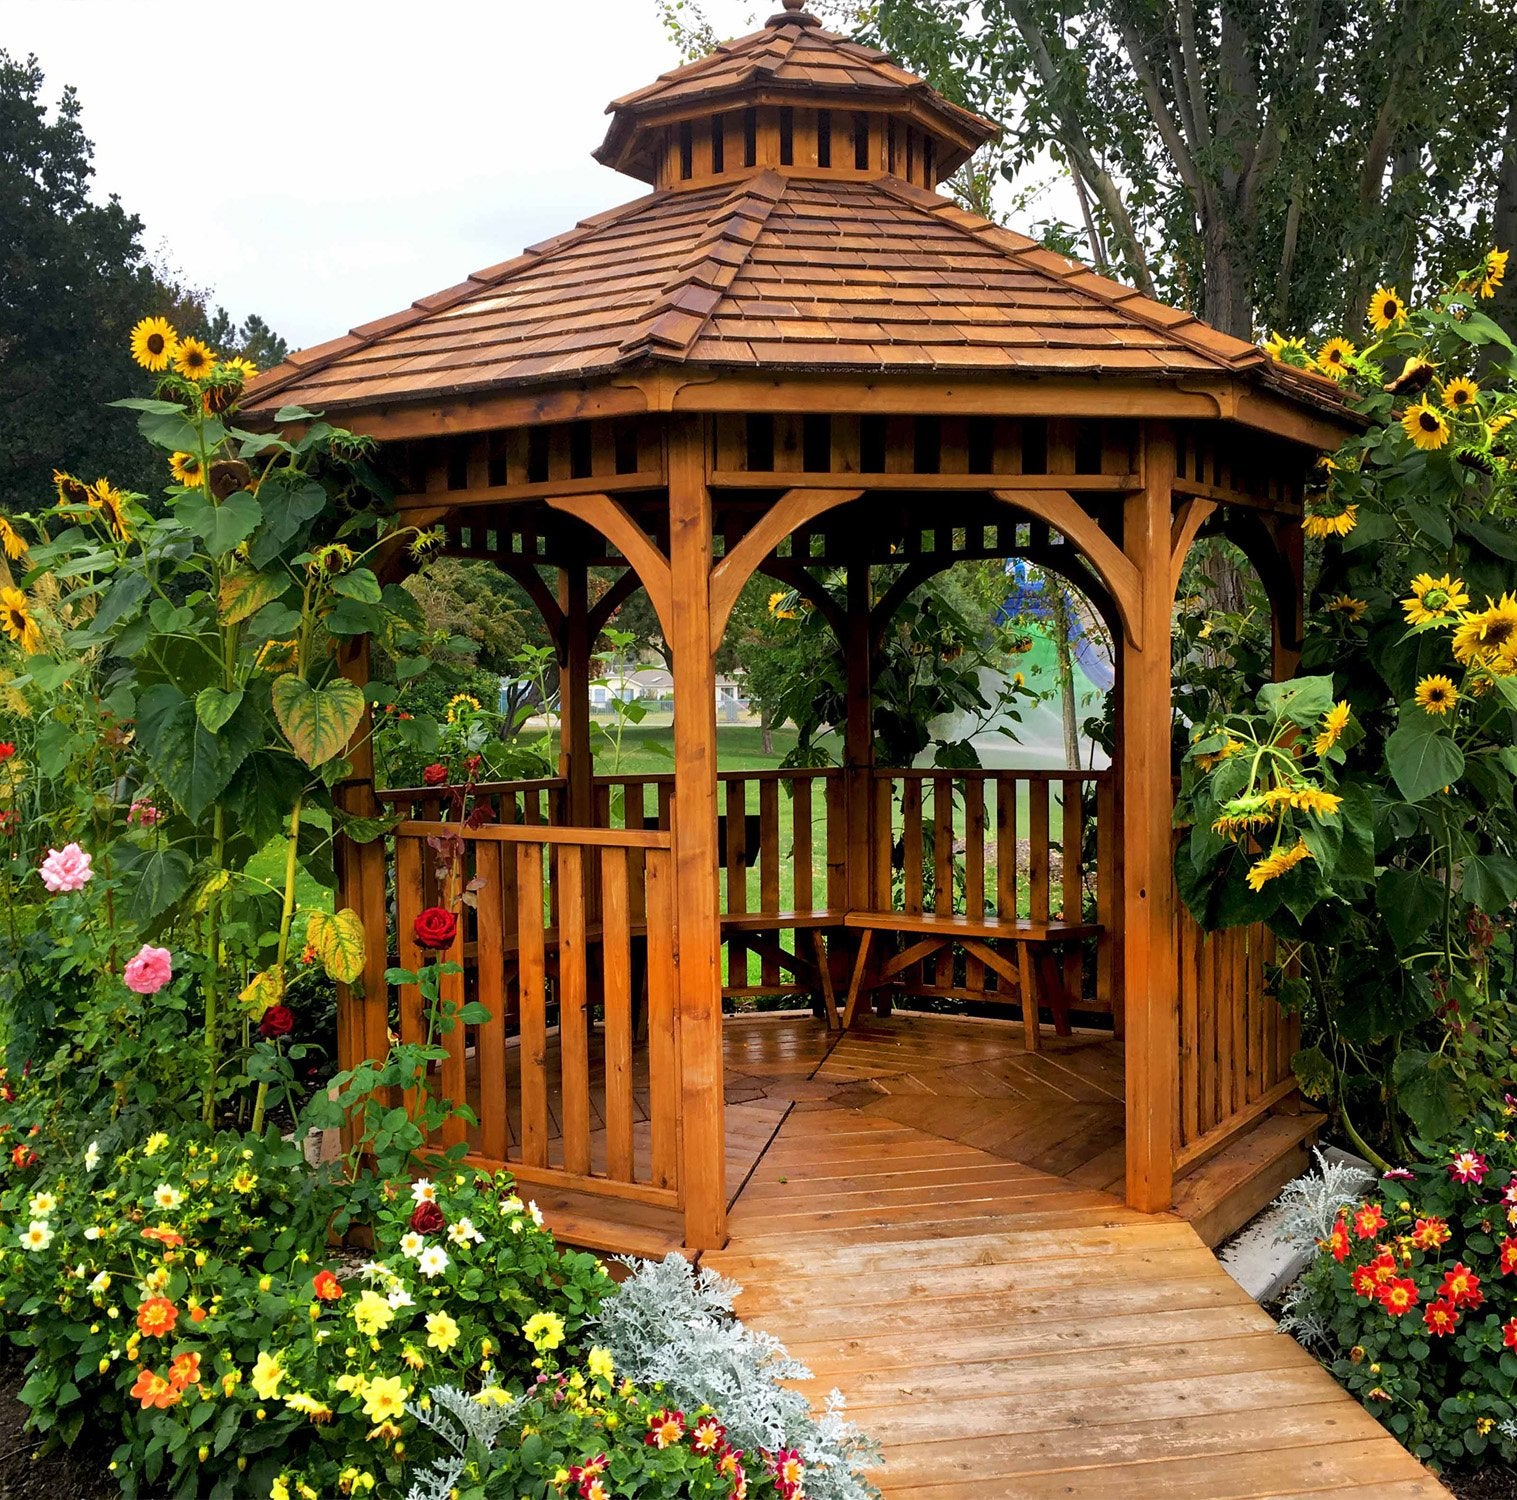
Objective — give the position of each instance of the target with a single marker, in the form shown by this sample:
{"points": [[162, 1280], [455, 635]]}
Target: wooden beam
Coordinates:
{"points": [[915, 575], [522, 571], [793, 509], [749, 479], [507, 494], [1124, 581], [576, 764], [795, 575], [1146, 800], [1190, 517], [606, 516], [611, 601], [687, 628]]}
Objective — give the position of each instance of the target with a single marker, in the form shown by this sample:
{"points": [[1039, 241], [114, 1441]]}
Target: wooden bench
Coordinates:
{"points": [[1036, 945]]}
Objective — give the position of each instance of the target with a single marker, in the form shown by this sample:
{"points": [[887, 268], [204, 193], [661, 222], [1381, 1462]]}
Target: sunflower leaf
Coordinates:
{"points": [[318, 722]]}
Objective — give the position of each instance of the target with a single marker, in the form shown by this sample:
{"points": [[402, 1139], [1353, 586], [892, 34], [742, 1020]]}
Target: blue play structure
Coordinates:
{"points": [[1030, 599]]}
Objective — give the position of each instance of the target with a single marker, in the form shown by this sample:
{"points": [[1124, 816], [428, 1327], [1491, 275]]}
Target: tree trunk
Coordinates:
{"points": [[1504, 221], [766, 731], [1063, 618]]}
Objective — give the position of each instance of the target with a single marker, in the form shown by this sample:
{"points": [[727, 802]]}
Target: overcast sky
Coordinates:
{"points": [[359, 153]]}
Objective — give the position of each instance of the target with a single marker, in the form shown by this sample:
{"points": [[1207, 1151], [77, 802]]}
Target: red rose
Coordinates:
{"points": [[278, 1020], [435, 774], [435, 928], [428, 1218]]}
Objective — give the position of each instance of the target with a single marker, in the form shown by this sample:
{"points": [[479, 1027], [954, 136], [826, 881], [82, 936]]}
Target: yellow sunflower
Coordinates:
{"points": [[1276, 864], [1326, 526], [72, 491], [113, 502], [244, 367], [193, 359], [1501, 423], [1459, 393], [1484, 636], [1436, 695], [154, 344], [18, 622], [1416, 374], [1386, 309], [462, 700], [1333, 358], [1277, 346], [1494, 271], [1346, 604], [11, 541], [1334, 722], [185, 468], [1434, 599], [1425, 426]]}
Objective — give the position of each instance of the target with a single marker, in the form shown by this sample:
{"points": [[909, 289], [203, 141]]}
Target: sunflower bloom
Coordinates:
{"points": [[193, 359], [1436, 695], [1458, 394], [1346, 604], [1276, 864], [1434, 600], [154, 344], [1321, 527], [1386, 309], [1277, 346], [1425, 426], [18, 622], [113, 503], [71, 491], [1333, 358], [243, 367], [1480, 637], [185, 467], [462, 701], [1494, 270], [12, 541]]}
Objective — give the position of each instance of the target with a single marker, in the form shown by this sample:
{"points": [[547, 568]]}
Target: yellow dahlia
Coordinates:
{"points": [[154, 344], [1436, 695], [1434, 599], [194, 360], [1425, 426], [1386, 309]]}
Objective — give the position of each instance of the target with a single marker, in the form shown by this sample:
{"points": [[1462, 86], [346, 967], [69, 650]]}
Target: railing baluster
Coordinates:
{"points": [[911, 844], [942, 870], [974, 869], [489, 949], [662, 1051], [1037, 853], [616, 949], [573, 1011], [534, 1006], [800, 843], [409, 893], [769, 866]]}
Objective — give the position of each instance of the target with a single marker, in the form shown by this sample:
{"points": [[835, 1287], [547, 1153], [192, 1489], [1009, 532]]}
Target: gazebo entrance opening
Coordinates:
{"points": [[794, 356]]}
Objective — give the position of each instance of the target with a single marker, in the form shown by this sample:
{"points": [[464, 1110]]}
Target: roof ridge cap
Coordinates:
{"points": [[279, 377], [671, 328], [1133, 303]]}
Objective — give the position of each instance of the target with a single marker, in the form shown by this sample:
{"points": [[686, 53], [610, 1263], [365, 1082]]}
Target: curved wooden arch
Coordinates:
{"points": [[793, 575], [611, 601], [603, 514], [1191, 516], [1282, 586], [790, 512]]}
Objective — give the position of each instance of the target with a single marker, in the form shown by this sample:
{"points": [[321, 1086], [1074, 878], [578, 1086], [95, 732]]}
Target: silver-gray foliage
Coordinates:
{"points": [[672, 1324], [1312, 1202], [470, 1425]]}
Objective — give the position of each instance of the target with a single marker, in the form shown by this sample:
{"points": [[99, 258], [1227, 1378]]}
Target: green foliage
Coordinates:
{"points": [[1366, 810], [1442, 1374]]}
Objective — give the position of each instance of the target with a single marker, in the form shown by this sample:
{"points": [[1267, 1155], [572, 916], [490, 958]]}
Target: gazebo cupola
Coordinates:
{"points": [[793, 99]]}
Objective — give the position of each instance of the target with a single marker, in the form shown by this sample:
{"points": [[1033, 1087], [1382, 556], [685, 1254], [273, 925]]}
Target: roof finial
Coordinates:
{"points": [[793, 14]]}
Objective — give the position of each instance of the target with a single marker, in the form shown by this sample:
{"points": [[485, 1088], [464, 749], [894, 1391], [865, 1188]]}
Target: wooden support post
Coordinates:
{"points": [[1146, 800], [575, 761], [858, 739], [363, 1009], [1288, 606], [699, 994]]}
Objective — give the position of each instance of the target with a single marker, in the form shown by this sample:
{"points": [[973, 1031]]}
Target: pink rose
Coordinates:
{"points": [[150, 970], [66, 869], [143, 814]]}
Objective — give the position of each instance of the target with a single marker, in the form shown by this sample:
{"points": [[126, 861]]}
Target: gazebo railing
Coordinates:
{"points": [[570, 946]]}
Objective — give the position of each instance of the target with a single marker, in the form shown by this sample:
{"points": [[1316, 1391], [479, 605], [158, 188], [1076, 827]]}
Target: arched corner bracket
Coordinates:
{"points": [[793, 509], [611, 601], [1116, 570], [1190, 517], [610, 519]]}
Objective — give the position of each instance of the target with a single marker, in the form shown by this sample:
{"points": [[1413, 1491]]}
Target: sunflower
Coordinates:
{"points": [[1333, 358], [185, 468], [11, 541], [1494, 270], [1501, 423], [1386, 309], [1484, 636], [113, 502], [1346, 604], [1312, 799], [72, 491], [1425, 426], [154, 344], [1326, 526], [1436, 695], [194, 360], [1277, 346], [18, 622], [1416, 374], [1277, 863], [240, 366], [462, 700], [1334, 722], [1434, 599], [1459, 393]]}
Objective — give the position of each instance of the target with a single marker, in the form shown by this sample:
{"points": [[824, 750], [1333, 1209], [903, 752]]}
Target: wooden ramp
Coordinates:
{"points": [[1006, 1332]]}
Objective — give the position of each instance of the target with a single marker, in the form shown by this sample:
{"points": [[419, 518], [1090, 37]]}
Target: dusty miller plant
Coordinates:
{"points": [[471, 1427], [671, 1324], [1311, 1203]]}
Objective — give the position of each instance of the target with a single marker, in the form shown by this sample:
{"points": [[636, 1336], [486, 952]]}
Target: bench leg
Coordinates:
{"points": [[1053, 988], [856, 982], [1029, 999], [824, 978]]}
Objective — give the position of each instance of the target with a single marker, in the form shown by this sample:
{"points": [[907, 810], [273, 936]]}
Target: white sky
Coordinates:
{"points": [[363, 153]]}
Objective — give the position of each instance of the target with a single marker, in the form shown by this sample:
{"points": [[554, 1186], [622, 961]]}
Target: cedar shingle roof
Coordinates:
{"points": [[791, 57], [773, 273]]}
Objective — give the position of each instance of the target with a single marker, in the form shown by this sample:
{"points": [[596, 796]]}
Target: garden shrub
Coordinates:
{"points": [[1412, 1300]]}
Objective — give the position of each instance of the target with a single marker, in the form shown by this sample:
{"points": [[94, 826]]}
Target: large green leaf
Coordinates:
{"points": [[287, 505], [338, 939], [1302, 700], [318, 722], [221, 527], [192, 762], [1490, 881], [1410, 902], [153, 882], [244, 593], [360, 584], [1422, 759], [1427, 1090], [214, 706]]}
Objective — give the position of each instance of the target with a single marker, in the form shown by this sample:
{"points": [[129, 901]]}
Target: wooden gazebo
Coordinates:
{"points": [[794, 356]]}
